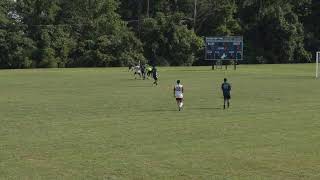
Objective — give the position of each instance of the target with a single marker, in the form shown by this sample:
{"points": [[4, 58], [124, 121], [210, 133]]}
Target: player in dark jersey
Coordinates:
{"points": [[130, 66], [226, 88], [155, 75], [143, 71]]}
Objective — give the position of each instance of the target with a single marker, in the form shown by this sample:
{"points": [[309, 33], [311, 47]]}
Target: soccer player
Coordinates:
{"points": [[149, 71], [178, 94], [143, 71], [137, 71], [155, 75], [130, 66], [226, 88]]}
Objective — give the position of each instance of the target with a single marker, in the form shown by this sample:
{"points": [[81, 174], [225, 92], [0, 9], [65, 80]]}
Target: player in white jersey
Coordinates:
{"points": [[178, 94]]}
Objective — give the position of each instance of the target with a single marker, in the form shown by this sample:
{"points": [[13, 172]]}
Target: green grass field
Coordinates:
{"points": [[102, 124]]}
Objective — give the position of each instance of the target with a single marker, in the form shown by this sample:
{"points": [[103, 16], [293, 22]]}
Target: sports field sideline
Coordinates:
{"points": [[101, 123]]}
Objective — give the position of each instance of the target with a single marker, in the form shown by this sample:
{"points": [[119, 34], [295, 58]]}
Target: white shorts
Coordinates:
{"points": [[180, 96]]}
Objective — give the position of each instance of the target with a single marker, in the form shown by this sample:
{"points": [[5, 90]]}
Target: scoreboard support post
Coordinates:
{"points": [[317, 64], [235, 62], [212, 64]]}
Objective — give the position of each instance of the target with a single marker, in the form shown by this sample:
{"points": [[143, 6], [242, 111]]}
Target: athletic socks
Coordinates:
{"points": [[180, 106]]}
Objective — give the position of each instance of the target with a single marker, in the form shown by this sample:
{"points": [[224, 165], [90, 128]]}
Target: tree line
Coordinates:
{"points": [[103, 33]]}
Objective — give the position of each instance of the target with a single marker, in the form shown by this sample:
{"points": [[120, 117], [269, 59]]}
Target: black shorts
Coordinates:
{"points": [[155, 78], [179, 99], [226, 96]]}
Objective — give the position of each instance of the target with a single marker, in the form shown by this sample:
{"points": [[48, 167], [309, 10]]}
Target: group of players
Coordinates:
{"points": [[145, 71], [178, 91]]}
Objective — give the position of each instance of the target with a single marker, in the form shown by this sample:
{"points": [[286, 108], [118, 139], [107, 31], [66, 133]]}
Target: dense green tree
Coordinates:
{"points": [[133, 9], [217, 17], [15, 47], [57, 33], [103, 39], [15, 50], [74, 33], [274, 32], [4, 6], [312, 26], [170, 41], [39, 17]]}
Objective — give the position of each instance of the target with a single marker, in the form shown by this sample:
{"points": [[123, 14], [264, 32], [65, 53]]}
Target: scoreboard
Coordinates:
{"points": [[224, 48]]}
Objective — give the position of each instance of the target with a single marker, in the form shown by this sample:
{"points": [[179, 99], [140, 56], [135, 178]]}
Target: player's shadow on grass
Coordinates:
{"points": [[208, 108], [139, 86], [163, 110], [188, 108]]}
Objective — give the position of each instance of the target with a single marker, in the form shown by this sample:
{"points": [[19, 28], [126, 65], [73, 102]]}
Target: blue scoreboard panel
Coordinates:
{"points": [[224, 48]]}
